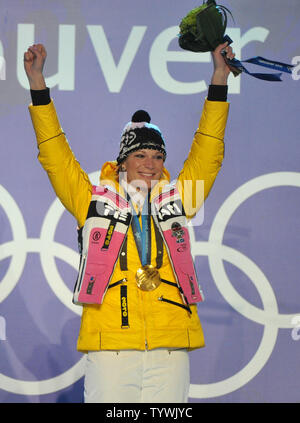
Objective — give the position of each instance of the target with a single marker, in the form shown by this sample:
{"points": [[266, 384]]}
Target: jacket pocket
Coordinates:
{"points": [[186, 307]]}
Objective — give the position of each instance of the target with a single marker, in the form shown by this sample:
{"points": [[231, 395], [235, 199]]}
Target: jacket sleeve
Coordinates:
{"points": [[70, 183], [205, 157]]}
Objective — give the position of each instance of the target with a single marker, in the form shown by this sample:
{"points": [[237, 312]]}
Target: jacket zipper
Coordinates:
{"points": [[144, 320], [117, 283], [187, 308], [81, 272]]}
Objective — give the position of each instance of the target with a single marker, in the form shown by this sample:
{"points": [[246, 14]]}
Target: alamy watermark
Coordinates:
{"points": [[296, 68], [191, 203], [2, 329]]}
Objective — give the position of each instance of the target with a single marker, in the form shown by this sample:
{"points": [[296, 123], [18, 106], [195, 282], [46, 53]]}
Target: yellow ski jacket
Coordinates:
{"points": [[153, 323]]}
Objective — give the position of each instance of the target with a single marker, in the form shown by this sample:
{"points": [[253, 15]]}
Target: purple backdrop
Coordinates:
{"points": [[105, 60]]}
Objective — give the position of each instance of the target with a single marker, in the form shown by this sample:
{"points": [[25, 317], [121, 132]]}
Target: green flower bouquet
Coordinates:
{"points": [[203, 28]]}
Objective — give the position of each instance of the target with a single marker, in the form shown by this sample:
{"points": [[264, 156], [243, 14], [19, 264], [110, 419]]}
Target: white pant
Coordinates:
{"points": [[137, 376]]}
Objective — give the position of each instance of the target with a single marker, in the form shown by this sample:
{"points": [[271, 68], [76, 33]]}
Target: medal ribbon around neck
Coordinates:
{"points": [[142, 235], [147, 276]]}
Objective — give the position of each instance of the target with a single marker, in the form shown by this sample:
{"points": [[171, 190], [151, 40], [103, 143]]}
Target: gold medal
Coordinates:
{"points": [[147, 278]]}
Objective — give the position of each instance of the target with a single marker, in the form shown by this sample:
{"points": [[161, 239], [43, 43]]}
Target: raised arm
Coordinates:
{"points": [[71, 184], [206, 154]]}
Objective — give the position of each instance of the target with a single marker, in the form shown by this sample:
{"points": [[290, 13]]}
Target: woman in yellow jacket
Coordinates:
{"points": [[138, 332]]}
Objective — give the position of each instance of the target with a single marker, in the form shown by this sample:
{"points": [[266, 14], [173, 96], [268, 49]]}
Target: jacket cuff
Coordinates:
{"points": [[217, 93], [40, 97]]}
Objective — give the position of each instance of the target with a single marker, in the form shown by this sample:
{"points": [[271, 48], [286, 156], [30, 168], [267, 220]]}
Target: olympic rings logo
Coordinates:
{"points": [[214, 249]]}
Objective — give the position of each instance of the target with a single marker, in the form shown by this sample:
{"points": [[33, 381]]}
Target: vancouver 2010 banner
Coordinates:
{"points": [[105, 61]]}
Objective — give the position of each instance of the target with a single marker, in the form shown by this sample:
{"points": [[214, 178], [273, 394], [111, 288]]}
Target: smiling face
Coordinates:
{"points": [[144, 167]]}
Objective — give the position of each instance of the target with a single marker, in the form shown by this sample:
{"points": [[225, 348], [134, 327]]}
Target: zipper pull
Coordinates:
{"points": [[192, 285]]}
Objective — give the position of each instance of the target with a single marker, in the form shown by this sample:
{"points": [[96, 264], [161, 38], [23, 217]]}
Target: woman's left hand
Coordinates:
{"points": [[221, 69]]}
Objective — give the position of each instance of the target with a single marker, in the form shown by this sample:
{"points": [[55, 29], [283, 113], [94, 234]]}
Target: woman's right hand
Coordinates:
{"points": [[34, 60]]}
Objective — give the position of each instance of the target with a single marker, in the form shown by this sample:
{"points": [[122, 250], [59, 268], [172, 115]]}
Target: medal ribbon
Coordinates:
{"points": [[260, 61], [142, 235]]}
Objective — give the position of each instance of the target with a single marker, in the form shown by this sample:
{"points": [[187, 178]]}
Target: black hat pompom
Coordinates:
{"points": [[141, 116]]}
